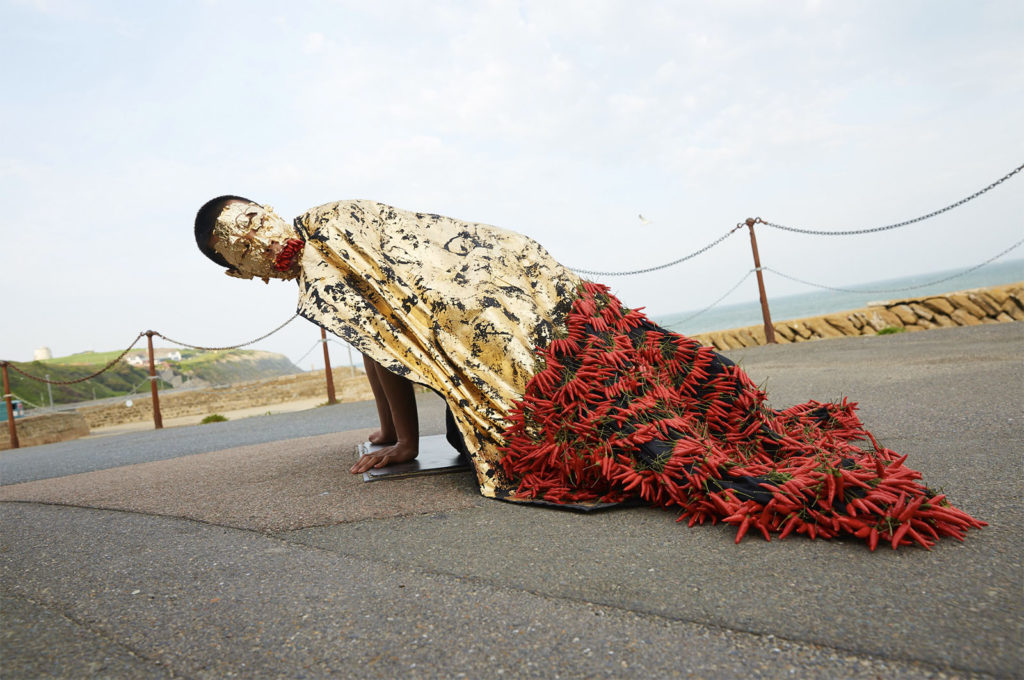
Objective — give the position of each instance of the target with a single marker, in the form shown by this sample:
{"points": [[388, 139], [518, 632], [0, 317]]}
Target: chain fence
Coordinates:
{"points": [[316, 344], [238, 346], [897, 290], [748, 223], [815, 232], [667, 264], [753, 221], [691, 317], [308, 352], [851, 232], [84, 378], [138, 337]]}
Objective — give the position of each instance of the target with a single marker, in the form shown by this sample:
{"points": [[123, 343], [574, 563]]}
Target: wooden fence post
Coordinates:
{"points": [[769, 329], [11, 427], [327, 369]]}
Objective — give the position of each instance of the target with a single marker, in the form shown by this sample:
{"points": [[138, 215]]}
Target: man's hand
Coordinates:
{"points": [[401, 452]]}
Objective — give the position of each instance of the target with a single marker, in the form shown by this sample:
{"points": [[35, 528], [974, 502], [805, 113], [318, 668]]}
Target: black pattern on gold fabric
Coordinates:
{"points": [[456, 306]]}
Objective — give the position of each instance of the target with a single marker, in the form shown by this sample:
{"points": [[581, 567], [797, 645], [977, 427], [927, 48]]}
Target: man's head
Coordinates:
{"points": [[244, 237]]}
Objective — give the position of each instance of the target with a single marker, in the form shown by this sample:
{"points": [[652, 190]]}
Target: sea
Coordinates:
{"points": [[725, 316]]}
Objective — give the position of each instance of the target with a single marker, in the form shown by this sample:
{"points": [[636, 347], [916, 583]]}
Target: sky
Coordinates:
{"points": [[563, 120]]}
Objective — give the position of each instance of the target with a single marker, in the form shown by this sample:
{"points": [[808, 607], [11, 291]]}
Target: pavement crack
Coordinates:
{"points": [[58, 609]]}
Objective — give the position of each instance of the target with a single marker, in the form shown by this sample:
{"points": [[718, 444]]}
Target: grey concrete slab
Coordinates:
{"points": [[39, 642], [436, 456], [267, 487], [958, 606], [203, 601]]}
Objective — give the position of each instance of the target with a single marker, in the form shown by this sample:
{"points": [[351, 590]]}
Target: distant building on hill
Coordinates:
{"points": [[141, 357], [42, 354]]}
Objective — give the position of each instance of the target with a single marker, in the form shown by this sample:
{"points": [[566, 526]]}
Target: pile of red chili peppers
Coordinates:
{"points": [[622, 410]]}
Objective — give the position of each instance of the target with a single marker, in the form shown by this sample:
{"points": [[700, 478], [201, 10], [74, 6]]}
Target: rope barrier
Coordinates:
{"points": [[713, 304], [662, 266], [818, 232], [219, 349], [896, 290]]}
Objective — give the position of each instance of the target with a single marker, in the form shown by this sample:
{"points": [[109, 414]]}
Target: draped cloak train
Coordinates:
{"points": [[562, 395]]}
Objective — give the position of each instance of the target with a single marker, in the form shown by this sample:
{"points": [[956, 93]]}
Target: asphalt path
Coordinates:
{"points": [[465, 587], [104, 452]]}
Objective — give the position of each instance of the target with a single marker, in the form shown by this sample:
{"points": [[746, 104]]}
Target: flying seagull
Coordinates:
{"points": [[644, 219]]}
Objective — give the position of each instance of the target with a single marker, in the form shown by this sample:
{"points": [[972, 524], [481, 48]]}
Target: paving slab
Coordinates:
{"points": [[945, 607], [203, 601], [266, 487]]}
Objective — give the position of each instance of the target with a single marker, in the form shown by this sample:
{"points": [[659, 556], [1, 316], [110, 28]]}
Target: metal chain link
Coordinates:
{"points": [[135, 342], [218, 349], [727, 293], [662, 266], [320, 342], [308, 351], [896, 290], [850, 232], [77, 380]]}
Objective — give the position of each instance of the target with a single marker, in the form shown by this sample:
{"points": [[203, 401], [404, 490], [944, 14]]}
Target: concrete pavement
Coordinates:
{"points": [[266, 559]]}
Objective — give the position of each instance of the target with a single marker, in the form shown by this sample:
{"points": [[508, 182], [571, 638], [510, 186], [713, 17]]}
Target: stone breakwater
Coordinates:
{"points": [[232, 397], [996, 304]]}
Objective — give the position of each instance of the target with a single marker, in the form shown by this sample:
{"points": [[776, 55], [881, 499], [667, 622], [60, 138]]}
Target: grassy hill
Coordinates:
{"points": [[235, 365], [216, 368]]}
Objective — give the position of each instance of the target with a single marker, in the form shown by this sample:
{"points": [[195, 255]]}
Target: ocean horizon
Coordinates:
{"points": [[725, 316]]}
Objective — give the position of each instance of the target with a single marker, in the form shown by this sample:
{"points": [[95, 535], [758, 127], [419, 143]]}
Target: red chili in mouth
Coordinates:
{"points": [[286, 258]]}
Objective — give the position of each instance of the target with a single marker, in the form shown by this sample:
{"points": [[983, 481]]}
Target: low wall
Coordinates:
{"points": [[47, 428], [996, 304], [236, 396]]}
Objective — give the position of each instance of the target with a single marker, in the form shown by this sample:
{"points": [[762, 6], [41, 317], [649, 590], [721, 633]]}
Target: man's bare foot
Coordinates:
{"points": [[381, 437], [402, 452]]}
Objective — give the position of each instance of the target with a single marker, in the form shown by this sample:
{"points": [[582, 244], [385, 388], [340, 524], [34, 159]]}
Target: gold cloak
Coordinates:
{"points": [[456, 306]]}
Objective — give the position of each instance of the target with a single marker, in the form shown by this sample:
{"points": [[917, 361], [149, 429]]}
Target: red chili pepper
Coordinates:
{"points": [[908, 512], [920, 539], [743, 529], [899, 533]]}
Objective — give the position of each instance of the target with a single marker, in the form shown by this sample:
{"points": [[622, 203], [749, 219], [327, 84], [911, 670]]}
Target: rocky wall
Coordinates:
{"points": [[46, 428], [996, 304]]}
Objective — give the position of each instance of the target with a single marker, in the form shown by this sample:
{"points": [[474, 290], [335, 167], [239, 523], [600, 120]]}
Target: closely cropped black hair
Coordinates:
{"points": [[206, 219]]}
